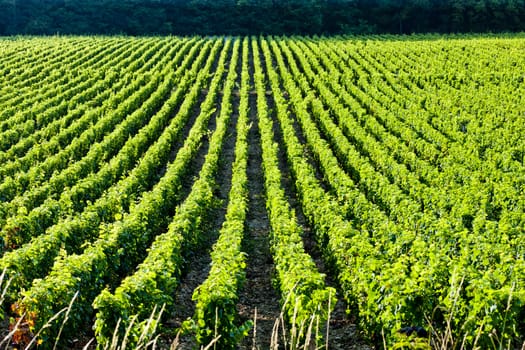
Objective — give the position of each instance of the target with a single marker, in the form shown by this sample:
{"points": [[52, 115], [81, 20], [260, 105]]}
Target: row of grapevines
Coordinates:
{"points": [[348, 154], [381, 138], [31, 54], [433, 199], [382, 130], [340, 181], [323, 212], [154, 282], [497, 233], [353, 203], [304, 294], [25, 121], [45, 209], [374, 224], [50, 74], [429, 262], [21, 72], [79, 105], [75, 149], [72, 232], [464, 125], [120, 246], [455, 126], [389, 85], [218, 294], [391, 116], [56, 129], [116, 121], [462, 204], [349, 251], [454, 177], [74, 55], [98, 66]]}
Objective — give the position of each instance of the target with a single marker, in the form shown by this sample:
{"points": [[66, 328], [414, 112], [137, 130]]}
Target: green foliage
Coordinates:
{"points": [[405, 157], [216, 298], [395, 273], [253, 17], [305, 296], [156, 278]]}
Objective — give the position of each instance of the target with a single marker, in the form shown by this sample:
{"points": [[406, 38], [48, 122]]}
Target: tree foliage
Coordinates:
{"points": [[185, 17]]}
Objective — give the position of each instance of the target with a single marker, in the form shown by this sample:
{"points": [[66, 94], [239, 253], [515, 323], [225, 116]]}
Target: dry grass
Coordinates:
{"points": [[307, 335]]}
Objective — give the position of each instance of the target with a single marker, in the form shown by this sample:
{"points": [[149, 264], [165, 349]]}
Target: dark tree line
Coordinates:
{"points": [[185, 17]]}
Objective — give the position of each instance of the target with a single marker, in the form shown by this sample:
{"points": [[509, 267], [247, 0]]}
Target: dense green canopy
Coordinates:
{"points": [[144, 17]]}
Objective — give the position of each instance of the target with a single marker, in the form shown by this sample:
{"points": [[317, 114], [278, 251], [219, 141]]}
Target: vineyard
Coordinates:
{"points": [[255, 191]]}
